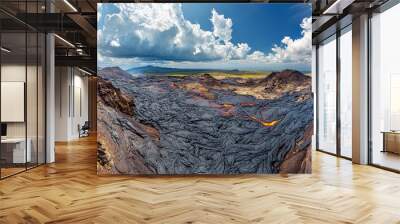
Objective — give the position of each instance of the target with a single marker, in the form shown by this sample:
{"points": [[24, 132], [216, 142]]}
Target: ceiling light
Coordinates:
{"points": [[330, 8], [64, 40], [79, 51], [5, 50], [337, 7], [70, 5], [86, 72]]}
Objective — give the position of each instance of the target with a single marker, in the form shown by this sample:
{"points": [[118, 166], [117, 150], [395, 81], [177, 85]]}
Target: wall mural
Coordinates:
{"points": [[204, 88]]}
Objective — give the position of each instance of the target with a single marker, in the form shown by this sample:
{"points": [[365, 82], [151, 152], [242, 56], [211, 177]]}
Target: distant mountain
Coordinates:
{"points": [[150, 69], [112, 73], [288, 77], [286, 81]]}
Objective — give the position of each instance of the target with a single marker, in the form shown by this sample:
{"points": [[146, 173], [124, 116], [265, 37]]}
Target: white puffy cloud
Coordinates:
{"points": [[115, 43], [298, 50], [124, 63], [295, 50], [257, 56], [160, 32], [222, 27], [99, 5]]}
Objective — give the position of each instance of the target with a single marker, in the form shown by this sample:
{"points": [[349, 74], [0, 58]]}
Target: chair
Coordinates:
{"points": [[84, 130]]}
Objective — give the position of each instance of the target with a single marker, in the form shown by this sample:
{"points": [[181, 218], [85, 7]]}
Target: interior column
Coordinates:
{"points": [[360, 90]]}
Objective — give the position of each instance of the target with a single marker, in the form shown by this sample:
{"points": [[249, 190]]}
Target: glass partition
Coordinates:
{"points": [[327, 96], [22, 77], [346, 92], [385, 89], [13, 94]]}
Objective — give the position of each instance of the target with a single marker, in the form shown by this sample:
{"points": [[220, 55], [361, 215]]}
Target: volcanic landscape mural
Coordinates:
{"points": [[204, 88]]}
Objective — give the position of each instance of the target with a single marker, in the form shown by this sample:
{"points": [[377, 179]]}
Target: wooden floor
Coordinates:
{"points": [[5, 172], [69, 191], [387, 159]]}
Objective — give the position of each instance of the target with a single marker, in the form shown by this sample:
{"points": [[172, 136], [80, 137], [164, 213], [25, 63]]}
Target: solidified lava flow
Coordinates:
{"points": [[160, 124]]}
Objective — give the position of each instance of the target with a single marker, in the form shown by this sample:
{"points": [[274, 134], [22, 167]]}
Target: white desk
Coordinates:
{"points": [[18, 144]]}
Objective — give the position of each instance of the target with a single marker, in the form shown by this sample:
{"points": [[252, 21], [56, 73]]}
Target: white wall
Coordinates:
{"points": [[80, 109], [71, 94], [33, 126], [17, 73], [61, 103], [13, 100]]}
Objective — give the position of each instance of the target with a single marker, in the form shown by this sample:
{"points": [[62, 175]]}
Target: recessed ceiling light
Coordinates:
{"points": [[86, 72], [337, 7], [64, 40], [70, 5], [5, 50]]}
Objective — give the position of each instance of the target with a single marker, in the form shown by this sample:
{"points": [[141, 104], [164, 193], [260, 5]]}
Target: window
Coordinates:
{"points": [[385, 89], [327, 96], [346, 92]]}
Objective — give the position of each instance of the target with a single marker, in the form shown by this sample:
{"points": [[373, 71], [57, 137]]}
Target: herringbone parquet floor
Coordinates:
{"points": [[69, 191]]}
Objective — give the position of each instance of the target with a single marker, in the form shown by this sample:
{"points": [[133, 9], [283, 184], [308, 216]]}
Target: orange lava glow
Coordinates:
{"points": [[265, 123], [228, 106], [269, 124], [228, 109], [199, 89], [227, 114]]}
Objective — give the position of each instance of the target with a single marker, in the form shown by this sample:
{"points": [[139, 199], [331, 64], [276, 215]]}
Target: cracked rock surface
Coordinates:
{"points": [[202, 125]]}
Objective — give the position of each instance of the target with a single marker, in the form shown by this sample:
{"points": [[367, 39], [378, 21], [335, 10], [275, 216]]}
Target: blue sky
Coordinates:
{"points": [[260, 25], [248, 36]]}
